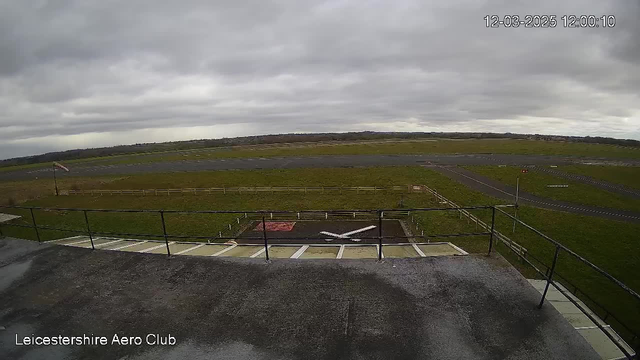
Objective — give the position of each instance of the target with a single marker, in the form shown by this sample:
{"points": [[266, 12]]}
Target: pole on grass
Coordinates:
{"points": [[379, 235], [164, 231], [493, 224], [86, 220], [549, 278], [33, 219], [515, 216], [266, 242], [55, 181]]}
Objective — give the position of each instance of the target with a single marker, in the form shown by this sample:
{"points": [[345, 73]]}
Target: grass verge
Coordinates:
{"points": [[608, 244], [535, 182], [622, 175], [426, 146]]}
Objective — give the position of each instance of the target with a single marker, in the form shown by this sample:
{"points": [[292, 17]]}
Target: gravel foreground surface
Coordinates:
{"points": [[429, 308]]}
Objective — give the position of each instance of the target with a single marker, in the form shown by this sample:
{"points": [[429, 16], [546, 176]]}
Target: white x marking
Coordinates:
{"points": [[347, 234]]}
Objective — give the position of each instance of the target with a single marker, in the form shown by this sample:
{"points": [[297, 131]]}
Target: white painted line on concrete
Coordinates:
{"points": [[340, 252], [126, 246], [300, 251], [417, 249], [259, 252], [155, 247], [462, 252], [77, 242], [189, 249], [109, 243], [223, 250], [592, 327]]}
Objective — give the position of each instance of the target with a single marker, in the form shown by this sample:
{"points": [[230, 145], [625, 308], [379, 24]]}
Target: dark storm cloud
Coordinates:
{"points": [[94, 73]]}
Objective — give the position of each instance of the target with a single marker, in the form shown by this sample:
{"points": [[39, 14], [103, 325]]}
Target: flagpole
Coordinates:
{"points": [[55, 182]]}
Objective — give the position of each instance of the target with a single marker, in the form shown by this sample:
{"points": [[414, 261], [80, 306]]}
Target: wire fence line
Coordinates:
{"points": [[522, 253], [305, 189], [247, 190], [472, 218], [378, 214]]}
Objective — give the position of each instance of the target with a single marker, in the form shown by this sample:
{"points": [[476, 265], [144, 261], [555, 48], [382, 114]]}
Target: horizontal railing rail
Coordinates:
{"points": [[379, 240], [551, 272]]}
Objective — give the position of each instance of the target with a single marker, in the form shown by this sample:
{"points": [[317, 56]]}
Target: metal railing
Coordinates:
{"points": [[550, 272], [371, 214], [377, 214]]}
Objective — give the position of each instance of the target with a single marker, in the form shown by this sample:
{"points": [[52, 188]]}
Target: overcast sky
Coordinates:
{"points": [[76, 74]]}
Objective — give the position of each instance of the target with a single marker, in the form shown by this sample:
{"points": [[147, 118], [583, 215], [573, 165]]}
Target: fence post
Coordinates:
{"points": [[33, 218], [86, 220], [493, 224], [379, 236], [164, 231], [549, 278], [264, 234]]}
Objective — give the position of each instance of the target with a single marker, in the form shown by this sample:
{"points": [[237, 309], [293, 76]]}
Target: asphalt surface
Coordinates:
{"points": [[604, 185], [304, 232], [302, 162], [430, 308], [499, 190]]}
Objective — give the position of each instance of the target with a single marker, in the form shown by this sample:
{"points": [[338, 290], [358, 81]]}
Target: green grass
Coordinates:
{"points": [[187, 224], [622, 175], [608, 244], [536, 183], [428, 146]]}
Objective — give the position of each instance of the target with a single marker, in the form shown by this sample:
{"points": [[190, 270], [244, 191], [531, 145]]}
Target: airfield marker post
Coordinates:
{"points": [[493, 224], [35, 226], [164, 231], [379, 235], [55, 181], [264, 235], [549, 278], [86, 221]]}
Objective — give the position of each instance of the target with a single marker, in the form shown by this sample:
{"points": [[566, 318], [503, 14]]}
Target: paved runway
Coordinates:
{"points": [[497, 189], [303, 162]]}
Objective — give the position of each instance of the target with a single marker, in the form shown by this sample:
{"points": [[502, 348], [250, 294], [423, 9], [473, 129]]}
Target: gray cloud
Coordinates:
{"points": [[94, 73]]}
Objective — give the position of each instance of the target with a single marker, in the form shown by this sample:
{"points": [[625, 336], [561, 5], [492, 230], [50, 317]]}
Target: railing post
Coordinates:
{"points": [[549, 278], [379, 235], [33, 218], [266, 242], [493, 224], [86, 220], [164, 231]]}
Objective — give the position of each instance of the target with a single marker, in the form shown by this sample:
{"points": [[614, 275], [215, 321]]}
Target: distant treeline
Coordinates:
{"points": [[290, 138]]}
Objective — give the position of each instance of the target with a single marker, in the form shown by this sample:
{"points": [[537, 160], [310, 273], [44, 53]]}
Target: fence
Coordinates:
{"points": [[463, 212], [377, 214], [522, 253], [550, 272], [248, 189]]}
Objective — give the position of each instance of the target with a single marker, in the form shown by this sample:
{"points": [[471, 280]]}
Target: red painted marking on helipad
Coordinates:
{"points": [[276, 226]]}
